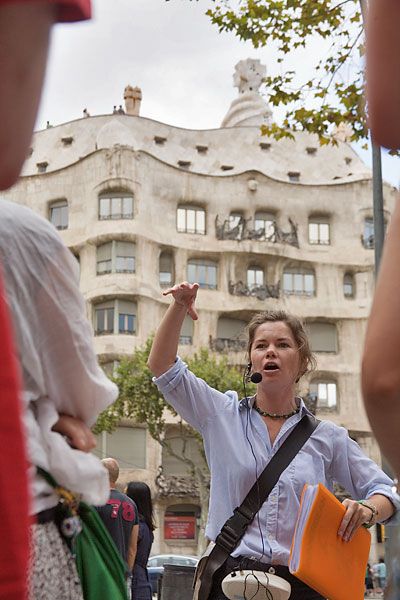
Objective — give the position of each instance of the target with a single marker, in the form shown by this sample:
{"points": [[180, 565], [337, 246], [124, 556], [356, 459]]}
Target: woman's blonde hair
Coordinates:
{"points": [[307, 359]]}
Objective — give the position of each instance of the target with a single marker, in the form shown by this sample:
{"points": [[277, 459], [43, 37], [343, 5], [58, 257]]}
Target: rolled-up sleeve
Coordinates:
{"points": [[191, 396], [360, 475]]}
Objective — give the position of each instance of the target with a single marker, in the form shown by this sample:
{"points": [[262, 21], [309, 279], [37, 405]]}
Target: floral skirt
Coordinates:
{"points": [[53, 574]]}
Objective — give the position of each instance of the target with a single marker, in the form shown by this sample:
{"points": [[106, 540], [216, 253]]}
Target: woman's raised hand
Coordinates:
{"points": [[185, 294]]}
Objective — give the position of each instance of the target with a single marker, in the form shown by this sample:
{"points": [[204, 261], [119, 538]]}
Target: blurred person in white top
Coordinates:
{"points": [[63, 387]]}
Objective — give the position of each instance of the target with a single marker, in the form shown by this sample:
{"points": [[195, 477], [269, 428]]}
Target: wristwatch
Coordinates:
{"points": [[374, 513]]}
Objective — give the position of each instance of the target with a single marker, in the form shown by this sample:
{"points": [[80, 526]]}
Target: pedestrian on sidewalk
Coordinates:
{"points": [[120, 516], [369, 586], [140, 493], [380, 574]]}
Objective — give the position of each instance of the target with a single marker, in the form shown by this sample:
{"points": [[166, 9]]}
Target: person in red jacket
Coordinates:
{"points": [[24, 40]]}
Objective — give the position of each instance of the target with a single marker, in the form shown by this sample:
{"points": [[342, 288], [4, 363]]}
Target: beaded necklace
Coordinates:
{"points": [[264, 413]]}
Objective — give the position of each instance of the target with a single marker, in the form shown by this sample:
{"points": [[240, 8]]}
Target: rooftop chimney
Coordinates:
{"points": [[133, 98]]}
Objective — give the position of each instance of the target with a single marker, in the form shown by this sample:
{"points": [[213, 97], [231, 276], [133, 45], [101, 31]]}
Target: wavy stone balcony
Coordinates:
{"points": [[242, 230], [261, 292], [226, 344]]}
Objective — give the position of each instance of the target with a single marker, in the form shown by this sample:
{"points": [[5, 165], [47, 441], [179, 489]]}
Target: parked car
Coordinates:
{"points": [[155, 566]]}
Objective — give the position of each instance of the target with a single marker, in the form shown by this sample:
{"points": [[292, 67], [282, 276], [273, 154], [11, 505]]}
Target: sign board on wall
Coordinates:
{"points": [[179, 527]]}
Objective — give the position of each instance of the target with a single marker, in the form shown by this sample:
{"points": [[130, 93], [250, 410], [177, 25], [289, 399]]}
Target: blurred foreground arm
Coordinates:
{"points": [[165, 344], [24, 41], [383, 71], [381, 359]]}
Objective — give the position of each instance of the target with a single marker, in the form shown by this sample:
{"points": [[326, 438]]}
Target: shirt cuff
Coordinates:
{"points": [[387, 491], [170, 379]]}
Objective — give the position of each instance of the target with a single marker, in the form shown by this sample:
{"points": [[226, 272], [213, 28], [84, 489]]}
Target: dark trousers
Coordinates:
{"points": [[300, 591]]}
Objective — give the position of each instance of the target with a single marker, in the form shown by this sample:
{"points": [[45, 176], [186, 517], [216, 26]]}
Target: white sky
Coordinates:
{"points": [[169, 49]]}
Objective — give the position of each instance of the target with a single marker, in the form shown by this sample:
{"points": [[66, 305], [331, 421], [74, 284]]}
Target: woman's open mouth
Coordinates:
{"points": [[271, 366]]}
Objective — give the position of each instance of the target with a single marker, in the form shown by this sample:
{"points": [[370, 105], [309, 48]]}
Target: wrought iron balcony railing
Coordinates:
{"points": [[243, 230], [262, 292], [227, 344]]}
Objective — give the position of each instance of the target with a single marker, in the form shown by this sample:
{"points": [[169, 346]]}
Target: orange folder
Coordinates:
{"points": [[319, 557]]}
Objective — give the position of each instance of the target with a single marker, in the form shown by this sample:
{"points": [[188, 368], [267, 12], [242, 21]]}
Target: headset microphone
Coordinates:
{"points": [[256, 377]]}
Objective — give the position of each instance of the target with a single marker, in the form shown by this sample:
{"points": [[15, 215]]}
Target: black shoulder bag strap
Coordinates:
{"points": [[235, 527]]}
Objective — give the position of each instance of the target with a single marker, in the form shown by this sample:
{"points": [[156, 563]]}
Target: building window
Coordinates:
{"points": [[124, 257], [325, 393], [368, 237], [191, 219], [126, 444], [203, 272], [104, 318], [126, 316], [115, 316], [59, 214], [115, 206], [264, 224], [202, 149], [116, 257], [255, 277], [185, 164], [294, 176], [236, 223], [323, 336], [104, 258], [229, 335], [78, 260], [166, 269], [186, 336], [42, 166], [235, 219], [319, 231], [348, 285], [299, 282], [185, 445], [67, 140]]}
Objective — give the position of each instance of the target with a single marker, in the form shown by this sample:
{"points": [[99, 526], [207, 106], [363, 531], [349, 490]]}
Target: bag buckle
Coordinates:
{"points": [[234, 529]]}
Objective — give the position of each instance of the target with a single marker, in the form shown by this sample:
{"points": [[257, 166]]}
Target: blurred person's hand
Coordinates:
{"points": [[78, 433]]}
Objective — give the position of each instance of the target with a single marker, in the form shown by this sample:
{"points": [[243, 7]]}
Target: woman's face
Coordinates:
{"points": [[274, 354]]}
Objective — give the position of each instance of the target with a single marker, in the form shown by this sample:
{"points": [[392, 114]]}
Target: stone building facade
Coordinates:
{"points": [[259, 223]]}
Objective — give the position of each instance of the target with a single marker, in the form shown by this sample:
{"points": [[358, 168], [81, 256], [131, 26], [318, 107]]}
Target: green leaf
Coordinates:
{"points": [[335, 93]]}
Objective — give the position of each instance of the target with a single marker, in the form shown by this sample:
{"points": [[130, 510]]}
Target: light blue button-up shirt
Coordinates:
{"points": [[238, 447]]}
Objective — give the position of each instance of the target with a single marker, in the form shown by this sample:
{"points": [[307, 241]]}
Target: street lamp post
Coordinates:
{"points": [[377, 187]]}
